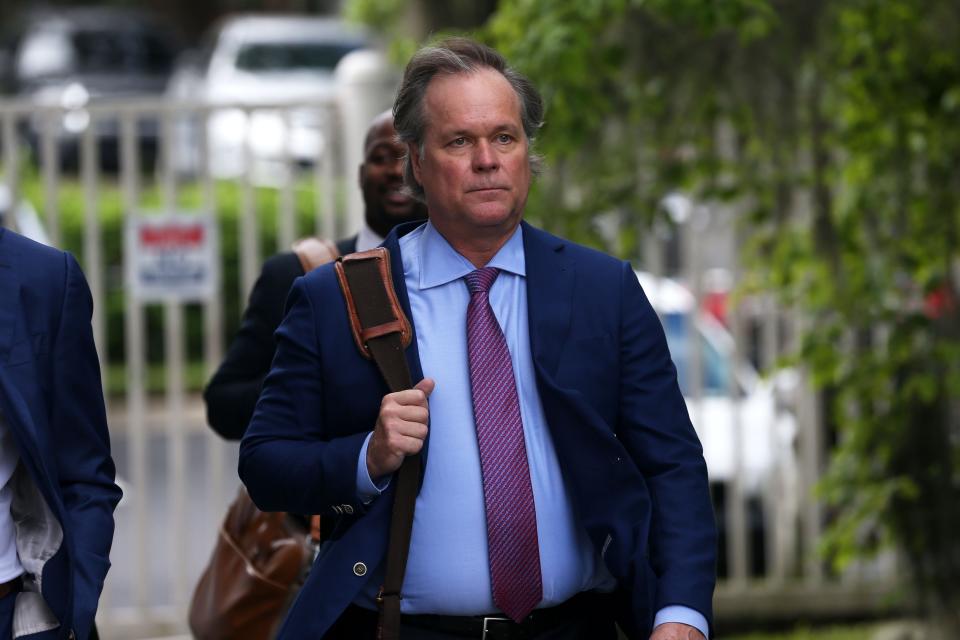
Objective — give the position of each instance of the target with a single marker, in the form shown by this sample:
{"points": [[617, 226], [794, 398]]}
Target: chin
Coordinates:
{"points": [[400, 212], [493, 216]]}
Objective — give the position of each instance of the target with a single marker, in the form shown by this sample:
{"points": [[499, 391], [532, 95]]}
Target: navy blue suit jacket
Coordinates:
{"points": [[52, 401], [631, 458]]}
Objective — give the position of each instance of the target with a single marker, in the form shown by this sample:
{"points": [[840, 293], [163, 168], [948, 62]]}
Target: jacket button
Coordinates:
{"points": [[359, 569], [347, 509]]}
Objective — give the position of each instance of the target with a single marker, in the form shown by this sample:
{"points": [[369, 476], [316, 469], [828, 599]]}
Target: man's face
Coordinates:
{"points": [[381, 180], [474, 167]]}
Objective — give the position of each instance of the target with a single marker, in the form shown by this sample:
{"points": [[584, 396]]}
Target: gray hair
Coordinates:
{"points": [[454, 56]]}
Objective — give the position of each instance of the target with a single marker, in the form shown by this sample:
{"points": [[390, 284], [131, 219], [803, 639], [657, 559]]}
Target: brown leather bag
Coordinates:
{"points": [[260, 560]]}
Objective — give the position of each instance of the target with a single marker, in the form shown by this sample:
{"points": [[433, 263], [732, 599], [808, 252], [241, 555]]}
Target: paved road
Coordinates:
{"points": [[172, 554]]}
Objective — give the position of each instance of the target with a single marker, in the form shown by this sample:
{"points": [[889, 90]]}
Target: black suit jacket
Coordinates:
{"points": [[233, 390]]}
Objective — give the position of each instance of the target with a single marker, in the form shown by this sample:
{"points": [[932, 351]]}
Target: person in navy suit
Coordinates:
{"points": [[563, 485], [57, 489]]}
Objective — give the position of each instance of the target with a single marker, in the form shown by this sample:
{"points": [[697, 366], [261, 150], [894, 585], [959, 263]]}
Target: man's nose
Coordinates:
{"points": [[485, 157]]}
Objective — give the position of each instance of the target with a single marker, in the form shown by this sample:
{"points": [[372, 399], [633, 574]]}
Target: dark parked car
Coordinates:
{"points": [[71, 58]]}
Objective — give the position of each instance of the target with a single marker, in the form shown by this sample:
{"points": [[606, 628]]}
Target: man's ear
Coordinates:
{"points": [[414, 153], [360, 177]]}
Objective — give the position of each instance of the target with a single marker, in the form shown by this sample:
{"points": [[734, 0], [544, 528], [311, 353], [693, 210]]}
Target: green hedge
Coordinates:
{"points": [[228, 198]]}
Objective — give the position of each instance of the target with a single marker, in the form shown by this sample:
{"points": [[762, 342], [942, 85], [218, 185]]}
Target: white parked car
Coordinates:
{"points": [[738, 415], [260, 61], [731, 392]]}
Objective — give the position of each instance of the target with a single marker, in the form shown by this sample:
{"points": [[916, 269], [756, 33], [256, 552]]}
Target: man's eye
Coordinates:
{"points": [[458, 142], [504, 138]]}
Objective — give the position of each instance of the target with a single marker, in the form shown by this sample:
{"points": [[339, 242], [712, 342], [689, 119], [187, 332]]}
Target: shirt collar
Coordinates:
{"points": [[440, 263], [367, 238]]}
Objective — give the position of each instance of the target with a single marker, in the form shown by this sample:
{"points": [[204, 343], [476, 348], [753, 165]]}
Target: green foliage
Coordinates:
{"points": [[195, 377], [388, 17], [620, 123]]}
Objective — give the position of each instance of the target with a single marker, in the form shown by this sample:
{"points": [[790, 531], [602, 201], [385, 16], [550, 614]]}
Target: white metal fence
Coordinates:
{"points": [[770, 519], [178, 477]]}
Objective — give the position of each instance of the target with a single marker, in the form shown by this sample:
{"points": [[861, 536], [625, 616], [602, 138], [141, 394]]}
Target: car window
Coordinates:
{"points": [[110, 51], [715, 366], [55, 53], [273, 57]]}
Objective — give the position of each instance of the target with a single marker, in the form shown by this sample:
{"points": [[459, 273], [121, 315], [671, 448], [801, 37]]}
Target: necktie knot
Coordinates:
{"points": [[481, 280]]}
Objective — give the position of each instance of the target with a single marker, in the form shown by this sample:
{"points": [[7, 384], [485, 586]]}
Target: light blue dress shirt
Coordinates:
{"points": [[447, 569]]}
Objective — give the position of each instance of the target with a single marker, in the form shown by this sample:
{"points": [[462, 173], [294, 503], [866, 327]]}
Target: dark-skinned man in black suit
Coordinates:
{"points": [[233, 390]]}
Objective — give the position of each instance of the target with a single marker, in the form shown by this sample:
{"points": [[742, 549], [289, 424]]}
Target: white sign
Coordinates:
{"points": [[171, 257]]}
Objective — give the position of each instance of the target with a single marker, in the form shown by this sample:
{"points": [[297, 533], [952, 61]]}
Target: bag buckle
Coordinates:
{"points": [[487, 622]]}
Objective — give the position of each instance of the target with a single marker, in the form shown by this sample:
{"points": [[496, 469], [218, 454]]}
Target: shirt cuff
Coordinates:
{"points": [[683, 615], [367, 489]]}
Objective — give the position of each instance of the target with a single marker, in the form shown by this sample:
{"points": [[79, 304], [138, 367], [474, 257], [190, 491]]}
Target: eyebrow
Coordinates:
{"points": [[384, 145], [506, 126]]}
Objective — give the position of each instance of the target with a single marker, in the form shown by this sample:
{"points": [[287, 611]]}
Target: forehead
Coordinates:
{"points": [[465, 101], [382, 133]]}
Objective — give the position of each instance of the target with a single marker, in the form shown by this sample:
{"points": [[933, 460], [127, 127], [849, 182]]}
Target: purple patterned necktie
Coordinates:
{"points": [[507, 493]]}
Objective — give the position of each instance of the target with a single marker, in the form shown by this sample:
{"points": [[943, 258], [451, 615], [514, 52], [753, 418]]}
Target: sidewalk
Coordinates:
{"points": [[157, 414], [905, 630]]}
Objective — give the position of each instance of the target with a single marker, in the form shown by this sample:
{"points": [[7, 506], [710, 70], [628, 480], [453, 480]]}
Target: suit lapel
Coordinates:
{"points": [[392, 243], [550, 279], [12, 403], [9, 295]]}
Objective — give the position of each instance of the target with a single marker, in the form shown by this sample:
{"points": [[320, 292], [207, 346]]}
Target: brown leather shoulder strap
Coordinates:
{"points": [[377, 321], [313, 252], [382, 331]]}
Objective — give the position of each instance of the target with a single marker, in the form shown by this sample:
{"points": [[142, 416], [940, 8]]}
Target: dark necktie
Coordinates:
{"points": [[507, 493]]}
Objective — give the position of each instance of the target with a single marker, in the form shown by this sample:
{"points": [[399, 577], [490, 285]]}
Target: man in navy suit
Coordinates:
{"points": [[563, 484], [57, 490]]}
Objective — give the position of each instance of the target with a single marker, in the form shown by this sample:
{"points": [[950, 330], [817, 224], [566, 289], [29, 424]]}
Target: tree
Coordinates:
{"points": [[832, 125]]}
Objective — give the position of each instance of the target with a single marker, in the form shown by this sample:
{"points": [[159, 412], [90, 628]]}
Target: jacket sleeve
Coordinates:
{"points": [[657, 432], [84, 466], [288, 459], [233, 390]]}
